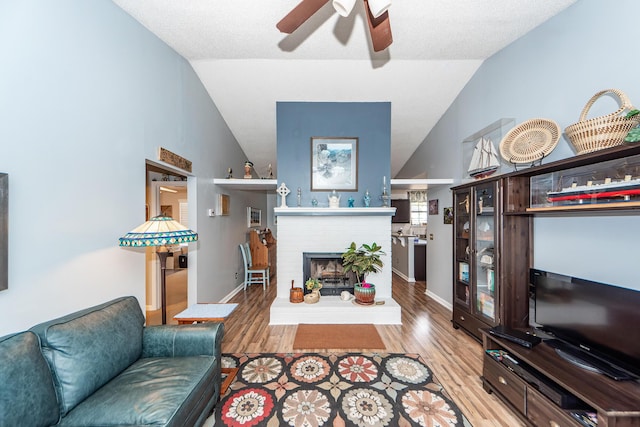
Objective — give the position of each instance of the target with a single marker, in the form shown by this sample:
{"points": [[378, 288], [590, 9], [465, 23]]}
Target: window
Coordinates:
{"points": [[419, 207], [418, 213]]}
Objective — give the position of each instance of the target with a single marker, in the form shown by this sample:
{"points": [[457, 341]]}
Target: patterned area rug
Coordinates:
{"points": [[337, 389]]}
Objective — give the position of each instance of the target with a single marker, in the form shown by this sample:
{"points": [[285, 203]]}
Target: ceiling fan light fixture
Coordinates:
{"points": [[378, 7], [343, 7]]}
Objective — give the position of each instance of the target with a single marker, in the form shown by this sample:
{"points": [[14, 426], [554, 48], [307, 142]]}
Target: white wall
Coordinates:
{"points": [[87, 95], [550, 72]]}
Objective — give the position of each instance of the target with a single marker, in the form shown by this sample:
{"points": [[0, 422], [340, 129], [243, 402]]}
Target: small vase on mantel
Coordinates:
{"points": [[334, 199], [365, 293]]}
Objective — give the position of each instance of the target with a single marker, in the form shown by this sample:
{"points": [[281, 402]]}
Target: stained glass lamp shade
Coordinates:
{"points": [[160, 231]]}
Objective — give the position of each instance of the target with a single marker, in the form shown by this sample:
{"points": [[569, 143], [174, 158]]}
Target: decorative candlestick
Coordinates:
{"points": [[385, 196]]}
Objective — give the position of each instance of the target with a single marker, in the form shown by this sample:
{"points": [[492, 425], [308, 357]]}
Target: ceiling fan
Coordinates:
{"points": [[376, 11]]}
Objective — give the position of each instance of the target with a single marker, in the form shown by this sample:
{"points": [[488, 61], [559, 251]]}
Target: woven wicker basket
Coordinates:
{"points": [[531, 140], [605, 131]]}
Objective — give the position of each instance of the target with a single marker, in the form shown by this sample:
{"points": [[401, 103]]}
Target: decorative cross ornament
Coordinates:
{"points": [[283, 191]]}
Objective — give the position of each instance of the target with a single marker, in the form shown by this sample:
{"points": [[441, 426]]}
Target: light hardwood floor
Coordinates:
{"points": [[454, 357]]}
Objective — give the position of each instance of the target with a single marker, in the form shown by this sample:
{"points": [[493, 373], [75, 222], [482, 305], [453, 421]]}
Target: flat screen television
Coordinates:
{"points": [[593, 325]]}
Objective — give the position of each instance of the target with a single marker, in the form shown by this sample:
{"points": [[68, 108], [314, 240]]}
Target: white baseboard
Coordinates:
{"points": [[403, 276], [231, 294], [439, 300]]}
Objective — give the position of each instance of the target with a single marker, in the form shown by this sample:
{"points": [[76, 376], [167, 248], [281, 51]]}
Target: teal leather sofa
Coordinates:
{"points": [[102, 367]]}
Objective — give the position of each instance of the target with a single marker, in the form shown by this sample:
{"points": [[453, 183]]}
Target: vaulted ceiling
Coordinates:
{"points": [[247, 65]]}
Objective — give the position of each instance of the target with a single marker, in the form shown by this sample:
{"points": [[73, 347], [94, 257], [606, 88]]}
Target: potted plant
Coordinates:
{"points": [[314, 286], [634, 134], [362, 261]]}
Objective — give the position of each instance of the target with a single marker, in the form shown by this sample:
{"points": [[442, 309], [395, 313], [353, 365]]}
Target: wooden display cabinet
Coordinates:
{"points": [[263, 247], [491, 255], [521, 196]]}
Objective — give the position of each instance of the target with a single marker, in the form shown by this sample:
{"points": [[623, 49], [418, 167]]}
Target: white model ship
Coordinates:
{"points": [[484, 161], [608, 189]]}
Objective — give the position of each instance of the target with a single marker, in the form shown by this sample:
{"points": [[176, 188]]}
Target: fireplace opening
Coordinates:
{"points": [[327, 268]]}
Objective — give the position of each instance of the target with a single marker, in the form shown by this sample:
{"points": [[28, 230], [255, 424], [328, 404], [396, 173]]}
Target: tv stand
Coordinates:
{"points": [[586, 361], [615, 403]]}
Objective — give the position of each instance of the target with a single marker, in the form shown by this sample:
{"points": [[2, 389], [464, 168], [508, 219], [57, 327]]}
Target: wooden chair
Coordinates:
{"points": [[253, 273]]}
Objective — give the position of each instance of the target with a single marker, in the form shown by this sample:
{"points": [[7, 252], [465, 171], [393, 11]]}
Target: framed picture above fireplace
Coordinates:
{"points": [[334, 163]]}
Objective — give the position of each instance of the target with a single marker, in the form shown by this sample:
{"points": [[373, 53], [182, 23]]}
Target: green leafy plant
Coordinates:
{"points": [[634, 134], [363, 260], [312, 284]]}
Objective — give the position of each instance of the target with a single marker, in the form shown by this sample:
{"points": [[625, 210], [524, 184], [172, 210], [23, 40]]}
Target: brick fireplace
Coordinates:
{"points": [[331, 231]]}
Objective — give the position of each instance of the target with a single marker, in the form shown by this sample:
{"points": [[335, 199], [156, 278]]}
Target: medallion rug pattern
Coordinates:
{"points": [[334, 389]]}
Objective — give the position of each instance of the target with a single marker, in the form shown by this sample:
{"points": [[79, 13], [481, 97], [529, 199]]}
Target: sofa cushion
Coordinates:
{"points": [[86, 349], [153, 392], [27, 396]]}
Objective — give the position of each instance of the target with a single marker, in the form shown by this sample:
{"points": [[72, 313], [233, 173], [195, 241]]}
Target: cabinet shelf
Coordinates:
{"points": [[586, 207]]}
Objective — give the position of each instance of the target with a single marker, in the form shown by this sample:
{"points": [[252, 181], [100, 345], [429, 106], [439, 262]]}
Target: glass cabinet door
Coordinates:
{"points": [[484, 278], [462, 224]]}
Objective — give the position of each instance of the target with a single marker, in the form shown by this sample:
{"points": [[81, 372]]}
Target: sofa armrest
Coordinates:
{"points": [[201, 339]]}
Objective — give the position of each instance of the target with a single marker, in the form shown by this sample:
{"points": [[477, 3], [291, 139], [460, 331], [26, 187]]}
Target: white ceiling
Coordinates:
{"points": [[247, 65]]}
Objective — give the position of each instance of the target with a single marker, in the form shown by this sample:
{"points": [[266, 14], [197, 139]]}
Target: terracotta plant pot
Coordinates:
{"points": [[365, 296]]}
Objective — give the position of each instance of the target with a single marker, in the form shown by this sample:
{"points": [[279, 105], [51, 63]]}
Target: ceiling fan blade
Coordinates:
{"points": [[379, 28], [303, 11]]}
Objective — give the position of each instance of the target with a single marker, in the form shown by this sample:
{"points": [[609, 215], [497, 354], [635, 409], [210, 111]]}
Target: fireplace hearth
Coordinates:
{"points": [[327, 268]]}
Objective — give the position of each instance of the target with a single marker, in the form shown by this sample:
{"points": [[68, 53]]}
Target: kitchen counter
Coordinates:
{"points": [[409, 257]]}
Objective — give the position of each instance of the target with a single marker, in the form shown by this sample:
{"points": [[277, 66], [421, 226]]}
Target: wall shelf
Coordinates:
{"points": [[272, 184], [418, 184], [247, 184]]}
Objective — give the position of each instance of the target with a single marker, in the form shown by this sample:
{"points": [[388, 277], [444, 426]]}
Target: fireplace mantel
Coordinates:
{"points": [[305, 211]]}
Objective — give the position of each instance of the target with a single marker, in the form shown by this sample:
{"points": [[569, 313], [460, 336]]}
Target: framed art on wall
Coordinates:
{"points": [[448, 215], [334, 164], [254, 217], [223, 204], [433, 207]]}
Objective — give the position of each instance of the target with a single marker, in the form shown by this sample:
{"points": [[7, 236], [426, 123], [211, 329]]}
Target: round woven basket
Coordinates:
{"points": [[530, 141], [605, 131]]}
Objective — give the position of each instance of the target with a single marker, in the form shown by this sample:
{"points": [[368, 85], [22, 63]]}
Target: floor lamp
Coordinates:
{"points": [[162, 232]]}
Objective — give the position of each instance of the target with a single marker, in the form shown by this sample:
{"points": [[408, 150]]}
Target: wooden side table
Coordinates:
{"points": [[215, 312]]}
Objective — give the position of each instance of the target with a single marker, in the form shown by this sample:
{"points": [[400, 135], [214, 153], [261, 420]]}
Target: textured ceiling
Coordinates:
{"points": [[247, 65]]}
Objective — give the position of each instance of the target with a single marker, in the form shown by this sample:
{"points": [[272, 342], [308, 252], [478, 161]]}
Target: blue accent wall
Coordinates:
{"points": [[298, 122]]}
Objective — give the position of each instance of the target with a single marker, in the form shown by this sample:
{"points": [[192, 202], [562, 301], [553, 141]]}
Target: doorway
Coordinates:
{"points": [[166, 195]]}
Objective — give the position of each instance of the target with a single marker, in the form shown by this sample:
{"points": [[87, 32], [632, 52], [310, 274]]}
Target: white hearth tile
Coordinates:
{"points": [[332, 310]]}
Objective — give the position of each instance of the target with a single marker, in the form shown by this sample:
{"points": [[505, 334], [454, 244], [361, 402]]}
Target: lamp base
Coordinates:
{"points": [[162, 256]]}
